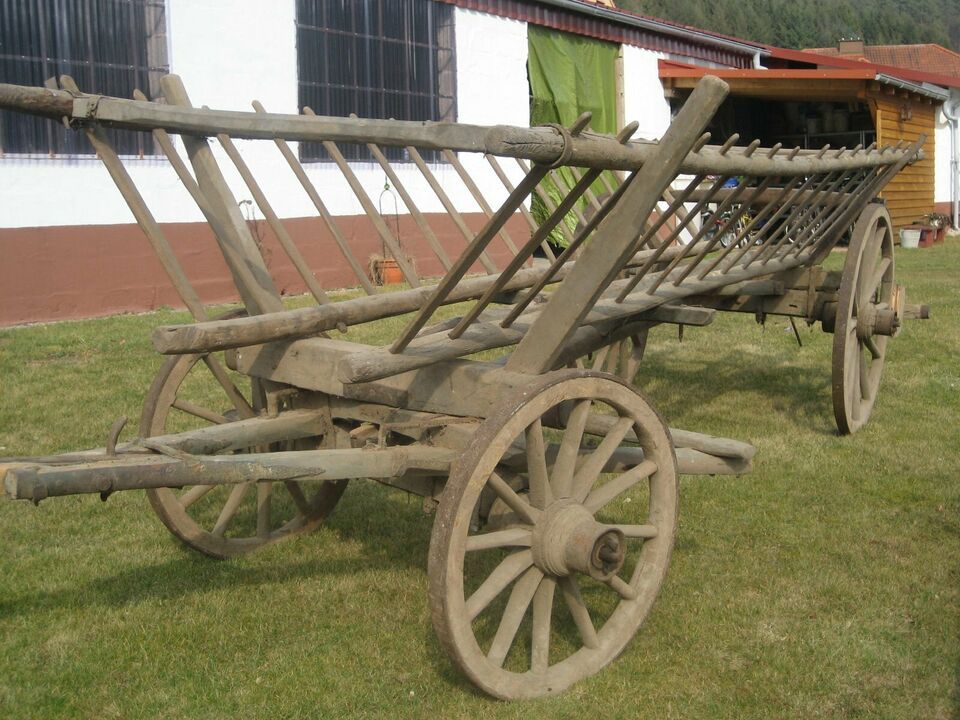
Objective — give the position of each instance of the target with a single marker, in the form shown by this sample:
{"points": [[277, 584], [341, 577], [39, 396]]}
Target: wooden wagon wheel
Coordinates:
{"points": [[865, 318], [569, 559], [224, 521]]}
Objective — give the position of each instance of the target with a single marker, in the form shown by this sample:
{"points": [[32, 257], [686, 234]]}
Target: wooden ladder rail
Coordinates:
{"points": [[141, 212], [613, 242], [242, 256]]}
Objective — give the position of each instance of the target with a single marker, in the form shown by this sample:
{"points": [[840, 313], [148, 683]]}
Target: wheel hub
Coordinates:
{"points": [[567, 539], [876, 320]]}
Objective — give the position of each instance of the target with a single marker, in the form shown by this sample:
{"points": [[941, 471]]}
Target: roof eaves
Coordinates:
{"points": [[644, 22], [923, 88], [905, 74]]}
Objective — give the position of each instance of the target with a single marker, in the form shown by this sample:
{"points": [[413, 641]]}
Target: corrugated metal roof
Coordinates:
{"points": [[583, 18]]}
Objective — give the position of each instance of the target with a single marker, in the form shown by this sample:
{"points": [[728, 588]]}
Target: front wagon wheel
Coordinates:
{"points": [[553, 537]]}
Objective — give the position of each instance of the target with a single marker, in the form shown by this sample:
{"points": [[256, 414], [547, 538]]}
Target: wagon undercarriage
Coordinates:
{"points": [[554, 480]]}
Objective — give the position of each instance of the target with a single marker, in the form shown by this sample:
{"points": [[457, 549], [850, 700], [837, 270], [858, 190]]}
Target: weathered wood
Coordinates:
{"points": [[35, 483], [412, 208], [542, 145], [612, 245], [519, 258], [451, 157], [468, 258], [305, 322], [328, 219], [432, 348], [145, 219], [240, 252], [448, 205], [273, 220], [524, 210], [409, 274], [229, 437]]}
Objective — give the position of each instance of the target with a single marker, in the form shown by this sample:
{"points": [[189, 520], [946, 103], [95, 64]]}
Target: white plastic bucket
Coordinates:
{"points": [[909, 238]]}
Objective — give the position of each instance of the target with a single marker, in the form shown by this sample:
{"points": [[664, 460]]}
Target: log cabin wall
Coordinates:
{"points": [[903, 116]]}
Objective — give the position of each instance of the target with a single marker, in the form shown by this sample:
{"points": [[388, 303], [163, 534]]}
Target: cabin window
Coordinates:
{"points": [[378, 59], [109, 47]]}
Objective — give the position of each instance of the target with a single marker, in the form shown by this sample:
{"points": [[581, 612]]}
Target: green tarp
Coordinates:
{"points": [[570, 75]]}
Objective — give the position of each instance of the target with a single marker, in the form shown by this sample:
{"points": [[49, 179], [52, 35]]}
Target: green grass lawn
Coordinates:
{"points": [[824, 584]]}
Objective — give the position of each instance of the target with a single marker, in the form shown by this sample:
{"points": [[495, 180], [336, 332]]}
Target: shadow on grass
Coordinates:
{"points": [[386, 531], [679, 387]]}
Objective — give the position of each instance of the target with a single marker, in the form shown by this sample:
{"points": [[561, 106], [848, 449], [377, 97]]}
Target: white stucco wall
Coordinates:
{"points": [[941, 162], [643, 98], [231, 53]]}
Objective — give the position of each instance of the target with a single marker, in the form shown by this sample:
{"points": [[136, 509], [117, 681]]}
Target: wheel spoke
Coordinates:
{"points": [[230, 508], [520, 598], [853, 383], [511, 537], [200, 412], [581, 616], [613, 354], [263, 509], [540, 494], [600, 357], [874, 349], [542, 617], [509, 569], [566, 461], [299, 499], [864, 374], [619, 485], [594, 464], [592, 467], [638, 531], [623, 360], [877, 277], [621, 587], [868, 263], [520, 506], [236, 397], [195, 493]]}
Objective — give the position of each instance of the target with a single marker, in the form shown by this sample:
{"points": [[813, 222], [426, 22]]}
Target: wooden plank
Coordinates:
{"points": [[542, 145], [425, 350], [306, 322]]}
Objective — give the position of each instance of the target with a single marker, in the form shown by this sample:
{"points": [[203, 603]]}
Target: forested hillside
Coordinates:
{"points": [[815, 23]]}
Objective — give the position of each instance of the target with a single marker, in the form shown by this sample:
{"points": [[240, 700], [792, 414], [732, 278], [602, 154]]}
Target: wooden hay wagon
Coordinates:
{"points": [[555, 486]]}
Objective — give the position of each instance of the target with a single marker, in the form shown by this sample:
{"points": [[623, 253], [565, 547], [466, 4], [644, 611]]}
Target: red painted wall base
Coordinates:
{"points": [[59, 273]]}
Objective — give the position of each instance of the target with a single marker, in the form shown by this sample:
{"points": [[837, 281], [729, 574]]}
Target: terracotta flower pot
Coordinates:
{"points": [[386, 271]]}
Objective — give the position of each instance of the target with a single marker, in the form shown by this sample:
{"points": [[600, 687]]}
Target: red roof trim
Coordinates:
{"points": [[838, 62], [670, 69]]}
